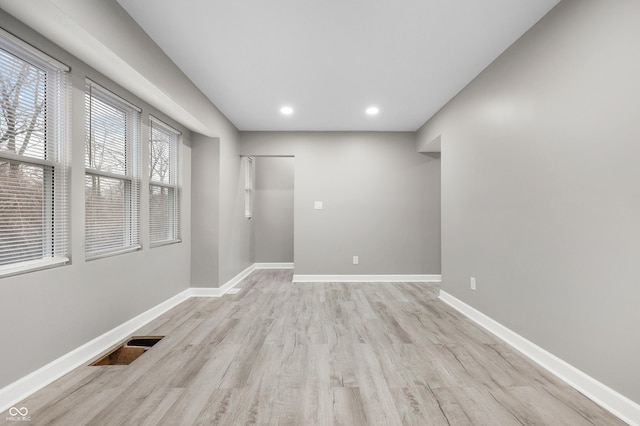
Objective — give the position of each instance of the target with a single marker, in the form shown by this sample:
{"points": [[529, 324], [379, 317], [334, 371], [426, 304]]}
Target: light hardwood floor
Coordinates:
{"points": [[279, 353]]}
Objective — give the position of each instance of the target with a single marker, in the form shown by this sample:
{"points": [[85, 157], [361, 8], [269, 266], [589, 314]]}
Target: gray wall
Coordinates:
{"points": [[235, 229], [541, 193], [273, 209], [103, 35], [381, 201], [221, 245], [205, 211], [48, 313]]}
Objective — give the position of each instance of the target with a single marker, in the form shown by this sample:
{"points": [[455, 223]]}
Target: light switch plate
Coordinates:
{"points": [[318, 205]]}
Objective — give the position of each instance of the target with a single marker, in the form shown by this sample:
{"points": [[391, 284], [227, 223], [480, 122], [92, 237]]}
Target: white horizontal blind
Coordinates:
{"points": [[33, 178], [112, 202], [164, 191]]}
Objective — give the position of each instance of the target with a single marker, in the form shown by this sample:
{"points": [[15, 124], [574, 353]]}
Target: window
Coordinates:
{"points": [[248, 186], [33, 205], [112, 182], [164, 192]]}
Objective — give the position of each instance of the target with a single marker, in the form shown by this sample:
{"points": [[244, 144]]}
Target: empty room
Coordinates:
{"points": [[319, 212]]}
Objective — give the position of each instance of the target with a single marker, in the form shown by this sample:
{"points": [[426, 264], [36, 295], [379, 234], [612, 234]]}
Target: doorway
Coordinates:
{"points": [[273, 209]]}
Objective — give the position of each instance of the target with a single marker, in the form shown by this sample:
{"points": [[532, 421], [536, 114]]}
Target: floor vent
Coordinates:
{"points": [[129, 351]]}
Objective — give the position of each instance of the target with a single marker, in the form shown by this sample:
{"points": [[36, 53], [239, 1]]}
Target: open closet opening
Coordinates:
{"points": [[272, 209]]}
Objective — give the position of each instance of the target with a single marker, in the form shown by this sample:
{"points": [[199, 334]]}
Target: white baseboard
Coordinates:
{"points": [[280, 265], [221, 291], [205, 292], [33, 382], [236, 280], [616, 403], [22, 388], [367, 278]]}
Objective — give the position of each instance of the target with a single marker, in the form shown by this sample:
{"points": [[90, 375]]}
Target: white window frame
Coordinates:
{"points": [[131, 177], [55, 218], [248, 165], [172, 187]]}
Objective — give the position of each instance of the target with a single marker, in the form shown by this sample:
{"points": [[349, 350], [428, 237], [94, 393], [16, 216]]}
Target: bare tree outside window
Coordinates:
{"points": [[164, 193], [160, 156], [111, 184], [22, 134], [22, 122]]}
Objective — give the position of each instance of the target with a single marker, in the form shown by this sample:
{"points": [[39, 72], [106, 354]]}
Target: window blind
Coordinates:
{"points": [[33, 163], [164, 191], [112, 201]]}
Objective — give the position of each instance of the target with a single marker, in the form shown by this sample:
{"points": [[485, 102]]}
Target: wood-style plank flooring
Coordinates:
{"points": [[279, 353]]}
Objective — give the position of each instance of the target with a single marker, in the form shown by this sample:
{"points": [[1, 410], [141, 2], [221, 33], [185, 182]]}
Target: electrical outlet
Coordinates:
{"points": [[355, 260], [473, 283]]}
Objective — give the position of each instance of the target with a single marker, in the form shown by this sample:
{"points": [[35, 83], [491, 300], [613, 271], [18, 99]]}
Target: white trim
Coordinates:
{"points": [[152, 119], [31, 265], [111, 95], [205, 292], [33, 382], [110, 252], [221, 291], [34, 51], [281, 265], [6, 155], [27, 385], [367, 278], [236, 280], [109, 175], [616, 403], [165, 243]]}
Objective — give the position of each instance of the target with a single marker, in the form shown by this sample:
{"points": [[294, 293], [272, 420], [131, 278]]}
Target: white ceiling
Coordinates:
{"points": [[331, 59]]}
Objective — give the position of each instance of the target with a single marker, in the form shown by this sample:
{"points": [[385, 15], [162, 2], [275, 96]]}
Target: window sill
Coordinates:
{"points": [[101, 255], [31, 265], [165, 243]]}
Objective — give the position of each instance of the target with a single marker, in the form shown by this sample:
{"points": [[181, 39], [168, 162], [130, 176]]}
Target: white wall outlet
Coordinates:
{"points": [[473, 283], [355, 260], [318, 205]]}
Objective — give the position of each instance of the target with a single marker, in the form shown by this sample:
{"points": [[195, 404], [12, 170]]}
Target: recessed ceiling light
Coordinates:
{"points": [[286, 110], [373, 110]]}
